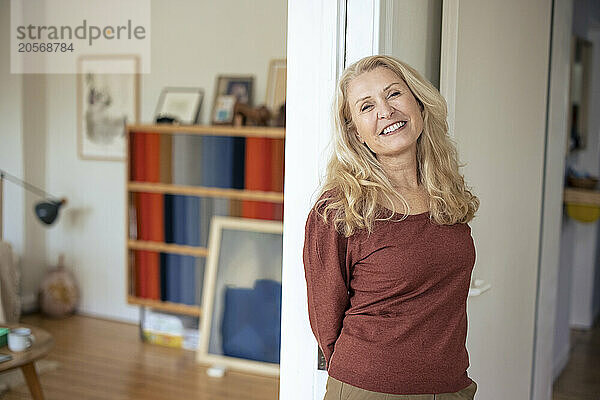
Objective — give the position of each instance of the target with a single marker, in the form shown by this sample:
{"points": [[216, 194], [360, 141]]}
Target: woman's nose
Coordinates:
{"points": [[385, 110]]}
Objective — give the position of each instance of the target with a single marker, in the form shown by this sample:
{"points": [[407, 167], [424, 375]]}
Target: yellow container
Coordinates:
{"points": [[583, 212], [163, 339]]}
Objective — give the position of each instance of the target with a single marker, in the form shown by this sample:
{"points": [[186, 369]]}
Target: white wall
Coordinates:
{"points": [[192, 42], [11, 138]]}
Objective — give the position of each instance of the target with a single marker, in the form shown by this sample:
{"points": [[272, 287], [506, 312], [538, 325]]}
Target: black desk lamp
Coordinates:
{"points": [[46, 210]]}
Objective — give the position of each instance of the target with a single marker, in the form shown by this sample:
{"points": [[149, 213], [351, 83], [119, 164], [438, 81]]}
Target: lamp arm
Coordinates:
{"points": [[25, 185]]}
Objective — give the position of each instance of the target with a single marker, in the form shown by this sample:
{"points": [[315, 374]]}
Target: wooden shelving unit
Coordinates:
{"points": [[167, 306], [160, 247], [235, 194], [165, 188], [581, 196], [211, 130]]}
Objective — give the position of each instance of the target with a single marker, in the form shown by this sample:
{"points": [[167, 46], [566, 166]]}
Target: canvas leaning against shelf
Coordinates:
{"points": [[241, 320]]}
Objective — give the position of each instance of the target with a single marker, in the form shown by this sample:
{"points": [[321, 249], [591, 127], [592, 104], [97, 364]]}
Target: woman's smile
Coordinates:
{"points": [[393, 128]]}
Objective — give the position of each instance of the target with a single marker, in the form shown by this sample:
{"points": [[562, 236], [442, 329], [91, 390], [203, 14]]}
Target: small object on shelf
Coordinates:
{"points": [[223, 110], [166, 119], [279, 118], [182, 104], [240, 86], [583, 212], [253, 116], [580, 179], [582, 182]]}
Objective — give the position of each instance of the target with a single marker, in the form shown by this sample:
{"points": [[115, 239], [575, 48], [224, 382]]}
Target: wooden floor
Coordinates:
{"points": [[580, 380], [102, 359]]}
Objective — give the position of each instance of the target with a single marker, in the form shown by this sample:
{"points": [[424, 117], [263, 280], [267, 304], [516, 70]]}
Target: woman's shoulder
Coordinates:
{"points": [[319, 212], [326, 197]]}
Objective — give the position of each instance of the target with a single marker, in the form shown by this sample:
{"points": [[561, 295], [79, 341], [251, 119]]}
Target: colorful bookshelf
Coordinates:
{"points": [[178, 178]]}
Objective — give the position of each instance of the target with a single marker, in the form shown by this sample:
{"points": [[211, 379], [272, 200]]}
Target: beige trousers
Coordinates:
{"points": [[337, 390]]}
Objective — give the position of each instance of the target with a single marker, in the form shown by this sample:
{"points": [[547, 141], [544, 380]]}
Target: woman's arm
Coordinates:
{"points": [[326, 272]]}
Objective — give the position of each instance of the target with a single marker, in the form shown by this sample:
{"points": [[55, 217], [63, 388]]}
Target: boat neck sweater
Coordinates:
{"points": [[388, 309]]}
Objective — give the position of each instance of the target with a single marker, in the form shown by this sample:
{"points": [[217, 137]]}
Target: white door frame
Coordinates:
{"points": [[315, 47], [362, 29], [542, 375]]}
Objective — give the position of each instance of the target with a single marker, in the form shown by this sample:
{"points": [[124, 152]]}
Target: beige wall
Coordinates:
{"points": [[192, 42], [411, 31]]}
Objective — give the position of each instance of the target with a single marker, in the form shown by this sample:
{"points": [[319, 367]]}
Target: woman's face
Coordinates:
{"points": [[386, 115]]}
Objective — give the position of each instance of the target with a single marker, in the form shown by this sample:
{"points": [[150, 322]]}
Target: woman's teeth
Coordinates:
{"points": [[394, 127]]}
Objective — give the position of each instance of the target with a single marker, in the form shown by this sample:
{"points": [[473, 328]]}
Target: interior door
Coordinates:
{"points": [[499, 78]]}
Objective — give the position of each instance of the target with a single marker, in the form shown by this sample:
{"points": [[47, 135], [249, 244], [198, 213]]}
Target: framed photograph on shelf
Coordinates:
{"points": [[181, 104], [242, 87], [241, 318], [276, 85], [107, 99], [223, 110]]}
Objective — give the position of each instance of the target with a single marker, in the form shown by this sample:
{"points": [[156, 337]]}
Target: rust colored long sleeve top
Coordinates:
{"points": [[388, 309]]}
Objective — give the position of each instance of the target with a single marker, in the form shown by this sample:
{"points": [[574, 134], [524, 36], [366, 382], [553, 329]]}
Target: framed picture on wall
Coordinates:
{"points": [[180, 103], [241, 303], [107, 99]]}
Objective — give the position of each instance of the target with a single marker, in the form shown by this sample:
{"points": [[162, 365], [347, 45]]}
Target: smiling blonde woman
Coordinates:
{"points": [[388, 251]]}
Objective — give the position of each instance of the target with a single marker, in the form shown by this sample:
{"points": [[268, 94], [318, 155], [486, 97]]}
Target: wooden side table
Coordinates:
{"points": [[25, 360]]}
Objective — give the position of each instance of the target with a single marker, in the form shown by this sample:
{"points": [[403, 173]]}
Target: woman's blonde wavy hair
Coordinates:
{"points": [[355, 183]]}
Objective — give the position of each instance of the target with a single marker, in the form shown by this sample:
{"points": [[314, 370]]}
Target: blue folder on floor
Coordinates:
{"points": [[251, 326]]}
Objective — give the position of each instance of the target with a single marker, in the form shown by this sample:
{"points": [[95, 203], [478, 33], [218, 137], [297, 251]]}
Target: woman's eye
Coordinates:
{"points": [[365, 107], [394, 94]]}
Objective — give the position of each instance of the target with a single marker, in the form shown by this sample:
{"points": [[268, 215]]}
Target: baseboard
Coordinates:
{"points": [[106, 317], [562, 361]]}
